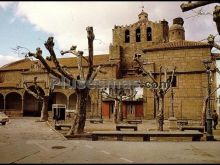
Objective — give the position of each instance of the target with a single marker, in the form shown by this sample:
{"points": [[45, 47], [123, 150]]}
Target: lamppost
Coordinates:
{"points": [[209, 135], [172, 102]]}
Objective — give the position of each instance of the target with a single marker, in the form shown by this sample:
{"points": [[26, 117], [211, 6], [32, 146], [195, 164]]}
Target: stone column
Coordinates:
{"points": [[68, 102], [4, 103], [22, 105]]}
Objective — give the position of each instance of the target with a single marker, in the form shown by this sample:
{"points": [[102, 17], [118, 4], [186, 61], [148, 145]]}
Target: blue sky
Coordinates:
{"points": [[17, 32], [29, 24]]}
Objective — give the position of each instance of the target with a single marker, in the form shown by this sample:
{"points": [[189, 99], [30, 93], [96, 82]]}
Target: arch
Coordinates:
{"points": [[1, 102], [149, 34], [32, 106], [127, 36], [13, 103], [138, 35], [59, 98], [73, 100]]}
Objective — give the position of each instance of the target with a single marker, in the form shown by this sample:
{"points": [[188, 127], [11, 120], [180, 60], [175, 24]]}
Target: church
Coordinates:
{"points": [[158, 44]]}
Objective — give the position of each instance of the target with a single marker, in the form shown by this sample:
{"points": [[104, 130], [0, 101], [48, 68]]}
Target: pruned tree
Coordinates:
{"points": [[118, 98], [193, 5], [216, 17], [205, 103], [160, 91], [44, 98], [211, 41], [82, 81], [209, 69]]}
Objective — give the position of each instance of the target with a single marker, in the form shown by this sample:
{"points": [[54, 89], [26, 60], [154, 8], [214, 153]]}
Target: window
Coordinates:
{"points": [[138, 35], [174, 83], [127, 36], [149, 34]]}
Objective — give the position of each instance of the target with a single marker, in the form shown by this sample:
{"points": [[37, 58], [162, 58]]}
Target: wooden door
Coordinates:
{"points": [[139, 110]]}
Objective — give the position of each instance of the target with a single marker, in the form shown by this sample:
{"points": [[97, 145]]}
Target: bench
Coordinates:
{"points": [[134, 121], [119, 126], [196, 136], [58, 126], [95, 120], [182, 122], [198, 128]]}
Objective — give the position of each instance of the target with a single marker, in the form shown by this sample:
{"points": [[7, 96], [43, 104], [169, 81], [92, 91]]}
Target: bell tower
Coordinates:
{"points": [[177, 32]]}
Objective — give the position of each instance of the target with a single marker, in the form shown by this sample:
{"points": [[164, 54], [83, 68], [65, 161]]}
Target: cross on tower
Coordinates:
{"points": [[142, 6]]}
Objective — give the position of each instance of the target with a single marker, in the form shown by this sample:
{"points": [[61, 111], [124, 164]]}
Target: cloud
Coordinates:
{"points": [[5, 5], [6, 59], [67, 21]]}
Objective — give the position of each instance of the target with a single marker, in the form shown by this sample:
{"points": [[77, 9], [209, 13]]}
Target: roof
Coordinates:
{"points": [[26, 63], [177, 45]]}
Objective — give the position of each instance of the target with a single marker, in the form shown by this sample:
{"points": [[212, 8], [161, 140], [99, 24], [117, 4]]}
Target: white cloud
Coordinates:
{"points": [[67, 21], [6, 59], [4, 4]]}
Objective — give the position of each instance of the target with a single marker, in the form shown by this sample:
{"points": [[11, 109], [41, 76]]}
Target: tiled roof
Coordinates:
{"points": [[176, 45], [216, 56], [68, 62]]}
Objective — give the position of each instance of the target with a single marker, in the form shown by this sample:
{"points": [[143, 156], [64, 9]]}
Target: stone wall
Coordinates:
{"points": [[191, 81]]}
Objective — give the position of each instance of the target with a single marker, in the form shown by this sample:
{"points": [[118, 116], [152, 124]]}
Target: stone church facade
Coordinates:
{"points": [[158, 44]]}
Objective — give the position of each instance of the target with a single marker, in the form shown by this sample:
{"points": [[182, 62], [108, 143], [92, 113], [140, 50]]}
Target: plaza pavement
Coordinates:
{"points": [[23, 140]]}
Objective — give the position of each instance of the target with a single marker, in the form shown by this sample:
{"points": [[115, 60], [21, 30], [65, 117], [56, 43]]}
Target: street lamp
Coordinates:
{"points": [[209, 135], [172, 102]]}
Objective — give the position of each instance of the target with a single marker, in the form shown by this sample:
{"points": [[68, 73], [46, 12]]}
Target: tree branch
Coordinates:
{"points": [[189, 6], [171, 81], [49, 44], [211, 41], [143, 70], [108, 95], [91, 37], [38, 97], [80, 68], [38, 55], [94, 74], [129, 96]]}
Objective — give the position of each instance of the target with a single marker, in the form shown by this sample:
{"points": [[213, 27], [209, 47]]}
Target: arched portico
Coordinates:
{"points": [[59, 98], [13, 104], [2, 102], [32, 106]]}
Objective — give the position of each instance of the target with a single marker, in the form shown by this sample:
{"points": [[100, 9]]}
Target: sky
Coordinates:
{"points": [[29, 24]]}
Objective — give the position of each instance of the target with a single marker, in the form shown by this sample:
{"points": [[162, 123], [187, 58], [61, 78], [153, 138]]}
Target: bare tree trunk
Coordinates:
{"points": [[80, 116], [116, 107], [160, 116], [44, 110], [74, 124], [120, 113], [157, 100]]}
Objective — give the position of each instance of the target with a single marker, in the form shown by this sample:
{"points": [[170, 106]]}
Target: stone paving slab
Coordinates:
{"points": [[13, 152]]}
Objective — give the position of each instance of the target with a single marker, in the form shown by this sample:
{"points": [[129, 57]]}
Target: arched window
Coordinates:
{"points": [[149, 34], [138, 35], [127, 36]]}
